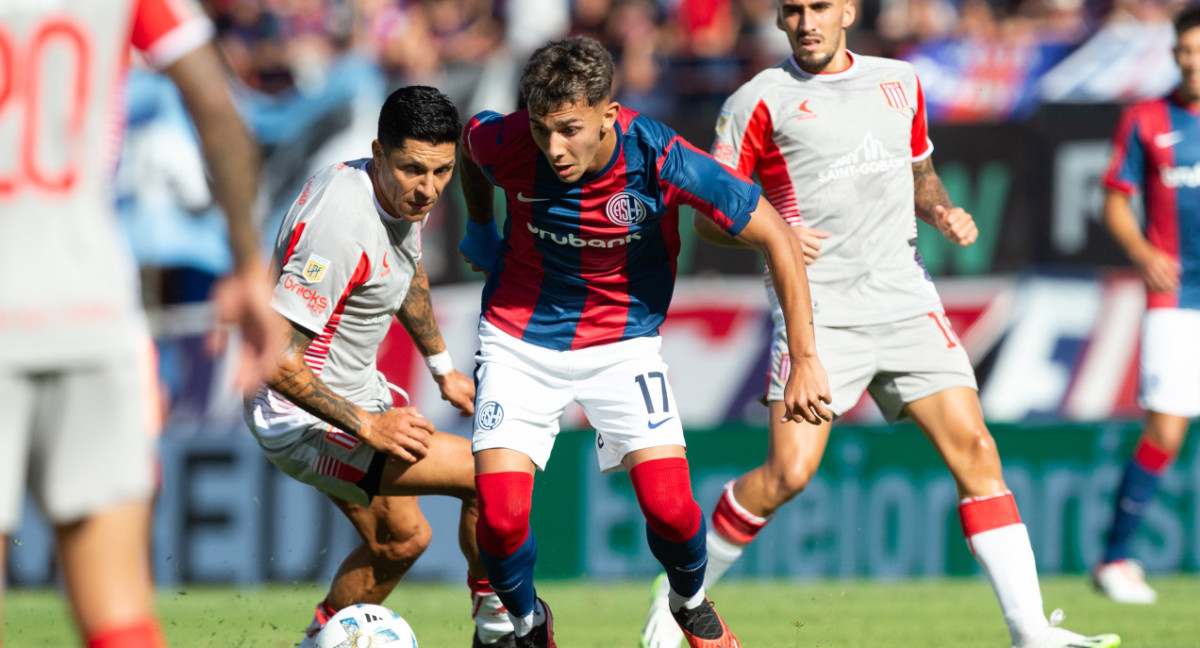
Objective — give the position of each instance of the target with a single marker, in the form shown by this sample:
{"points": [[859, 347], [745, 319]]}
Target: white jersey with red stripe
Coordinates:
{"points": [[344, 267], [68, 285], [835, 152]]}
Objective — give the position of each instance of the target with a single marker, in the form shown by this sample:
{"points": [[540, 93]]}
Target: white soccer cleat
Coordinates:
{"points": [[1124, 581], [492, 624], [1053, 636], [661, 629]]}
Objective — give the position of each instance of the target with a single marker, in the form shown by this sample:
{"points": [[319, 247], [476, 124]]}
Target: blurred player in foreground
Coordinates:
{"points": [[1156, 151], [840, 145], [572, 307], [76, 367], [348, 258]]}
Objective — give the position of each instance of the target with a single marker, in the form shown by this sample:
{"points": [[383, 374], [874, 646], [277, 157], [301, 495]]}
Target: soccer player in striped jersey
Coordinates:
{"points": [[77, 424], [575, 294], [840, 145], [1156, 151], [348, 259]]}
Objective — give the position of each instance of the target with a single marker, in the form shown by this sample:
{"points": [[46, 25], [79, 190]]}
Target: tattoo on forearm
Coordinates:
{"points": [[416, 315], [299, 384], [928, 190]]}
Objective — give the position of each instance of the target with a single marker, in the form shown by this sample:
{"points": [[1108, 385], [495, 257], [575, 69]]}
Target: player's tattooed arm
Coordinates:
{"points": [[416, 315], [928, 191], [296, 381]]}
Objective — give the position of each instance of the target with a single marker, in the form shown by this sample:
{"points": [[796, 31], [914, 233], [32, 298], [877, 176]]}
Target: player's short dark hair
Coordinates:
{"points": [[420, 113], [567, 71], [1187, 19]]}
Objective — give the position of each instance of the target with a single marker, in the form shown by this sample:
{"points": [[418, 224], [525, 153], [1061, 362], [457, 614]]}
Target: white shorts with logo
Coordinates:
{"points": [[314, 452], [82, 439], [523, 389], [1170, 362], [897, 362]]}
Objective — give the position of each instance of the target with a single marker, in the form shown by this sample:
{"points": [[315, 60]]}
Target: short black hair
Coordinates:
{"points": [[1187, 19], [565, 72], [420, 113]]}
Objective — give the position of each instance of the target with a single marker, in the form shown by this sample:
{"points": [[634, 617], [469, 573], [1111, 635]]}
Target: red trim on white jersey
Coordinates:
{"points": [[760, 154], [165, 30], [921, 146], [318, 352]]}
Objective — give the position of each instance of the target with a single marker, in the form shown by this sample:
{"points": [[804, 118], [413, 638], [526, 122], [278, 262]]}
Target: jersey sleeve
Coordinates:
{"points": [[165, 30], [319, 267], [922, 146], [481, 140], [744, 133], [1125, 169], [689, 176]]}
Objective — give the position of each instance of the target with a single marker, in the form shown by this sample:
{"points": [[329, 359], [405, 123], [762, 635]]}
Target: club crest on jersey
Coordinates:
{"points": [[625, 209], [490, 415], [894, 93], [314, 268]]}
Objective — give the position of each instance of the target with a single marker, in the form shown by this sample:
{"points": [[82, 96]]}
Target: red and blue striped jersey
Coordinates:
{"points": [[593, 262], [1156, 150]]}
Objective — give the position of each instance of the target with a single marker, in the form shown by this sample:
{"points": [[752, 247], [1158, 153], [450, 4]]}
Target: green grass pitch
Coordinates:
{"points": [[947, 613]]}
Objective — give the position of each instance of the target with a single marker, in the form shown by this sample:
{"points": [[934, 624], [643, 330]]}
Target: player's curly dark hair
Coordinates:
{"points": [[418, 112], [1187, 19], [567, 71]]}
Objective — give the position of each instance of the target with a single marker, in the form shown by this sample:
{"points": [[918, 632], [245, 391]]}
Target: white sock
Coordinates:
{"points": [[1006, 557], [721, 556], [524, 625], [678, 601]]}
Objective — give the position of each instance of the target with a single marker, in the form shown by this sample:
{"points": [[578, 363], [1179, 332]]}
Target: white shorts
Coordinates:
{"points": [[1170, 364], [314, 452], [897, 362], [82, 439], [523, 389]]}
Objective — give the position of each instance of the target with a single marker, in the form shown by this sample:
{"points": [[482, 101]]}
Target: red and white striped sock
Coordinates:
{"points": [[1000, 543], [141, 634], [733, 527]]}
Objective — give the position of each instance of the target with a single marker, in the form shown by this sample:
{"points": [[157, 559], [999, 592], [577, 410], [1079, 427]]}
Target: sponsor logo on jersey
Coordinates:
{"points": [[387, 269], [314, 269], [894, 93], [574, 241], [805, 111], [722, 121], [307, 189], [723, 152], [490, 415], [868, 158], [521, 198], [1167, 140], [1176, 177], [316, 303], [625, 209]]}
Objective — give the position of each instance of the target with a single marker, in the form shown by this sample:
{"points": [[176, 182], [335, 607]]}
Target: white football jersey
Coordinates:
{"points": [[68, 285], [834, 152], [344, 267]]}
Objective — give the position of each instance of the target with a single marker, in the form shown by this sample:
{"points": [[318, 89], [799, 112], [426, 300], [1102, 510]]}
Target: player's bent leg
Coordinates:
{"points": [[106, 570], [952, 420]]}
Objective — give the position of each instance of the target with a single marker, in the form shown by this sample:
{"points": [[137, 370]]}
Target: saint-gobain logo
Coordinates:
{"points": [[625, 209], [490, 415]]}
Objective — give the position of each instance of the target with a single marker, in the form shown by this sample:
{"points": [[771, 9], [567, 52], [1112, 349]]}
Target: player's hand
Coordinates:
{"points": [[956, 225], [807, 392], [480, 246], [400, 431], [459, 391], [243, 300], [1158, 270], [810, 241]]}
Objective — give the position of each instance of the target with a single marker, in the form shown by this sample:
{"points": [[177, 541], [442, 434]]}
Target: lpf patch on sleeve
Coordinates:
{"points": [[314, 268]]}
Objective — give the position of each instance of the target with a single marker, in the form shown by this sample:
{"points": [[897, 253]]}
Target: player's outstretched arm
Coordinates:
{"points": [[933, 205], [417, 317], [480, 245], [810, 239], [807, 391], [1158, 269], [401, 431], [232, 158]]}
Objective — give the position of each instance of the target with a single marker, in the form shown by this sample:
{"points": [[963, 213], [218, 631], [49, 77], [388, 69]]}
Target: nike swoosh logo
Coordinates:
{"points": [[1167, 140], [521, 197], [652, 424]]}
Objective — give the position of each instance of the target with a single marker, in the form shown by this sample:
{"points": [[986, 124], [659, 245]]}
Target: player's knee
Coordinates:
{"points": [[676, 523], [501, 530], [399, 544], [786, 482]]}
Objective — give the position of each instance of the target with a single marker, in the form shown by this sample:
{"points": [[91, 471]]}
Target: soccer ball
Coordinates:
{"points": [[366, 626]]}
